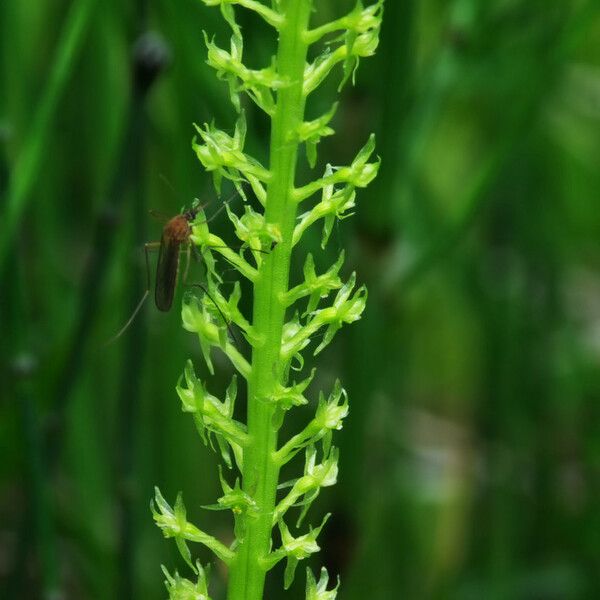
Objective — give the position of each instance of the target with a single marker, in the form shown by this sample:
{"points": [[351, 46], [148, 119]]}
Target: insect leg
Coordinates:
{"points": [[188, 252], [130, 320], [136, 310]]}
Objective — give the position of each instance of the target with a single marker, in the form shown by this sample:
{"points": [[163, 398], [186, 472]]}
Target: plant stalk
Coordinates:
{"points": [[260, 471]]}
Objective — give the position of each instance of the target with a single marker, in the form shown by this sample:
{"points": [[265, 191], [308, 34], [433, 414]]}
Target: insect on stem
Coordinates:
{"points": [[176, 233]]}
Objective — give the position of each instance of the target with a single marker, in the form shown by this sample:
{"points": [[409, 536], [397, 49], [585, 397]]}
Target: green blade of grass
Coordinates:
{"points": [[23, 175]]}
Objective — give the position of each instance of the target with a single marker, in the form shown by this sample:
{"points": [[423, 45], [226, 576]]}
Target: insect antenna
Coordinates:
{"points": [[164, 179], [197, 206]]}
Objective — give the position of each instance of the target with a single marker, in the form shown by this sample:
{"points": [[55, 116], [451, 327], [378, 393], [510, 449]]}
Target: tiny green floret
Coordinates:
{"points": [[287, 317]]}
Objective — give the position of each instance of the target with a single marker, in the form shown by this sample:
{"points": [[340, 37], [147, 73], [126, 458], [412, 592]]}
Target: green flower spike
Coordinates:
{"points": [[291, 320]]}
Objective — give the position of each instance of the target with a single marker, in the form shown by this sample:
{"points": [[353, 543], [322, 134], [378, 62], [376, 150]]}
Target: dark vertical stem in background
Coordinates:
{"points": [[397, 90], [40, 506], [35, 533], [150, 58], [132, 366], [101, 250], [373, 345], [101, 247]]}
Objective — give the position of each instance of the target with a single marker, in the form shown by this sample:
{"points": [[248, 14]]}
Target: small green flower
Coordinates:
{"points": [[173, 523], [318, 591], [331, 413], [294, 549], [293, 395], [316, 476], [183, 589]]}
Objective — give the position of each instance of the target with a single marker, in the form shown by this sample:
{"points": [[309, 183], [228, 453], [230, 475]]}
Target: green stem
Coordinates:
{"points": [[261, 471]]}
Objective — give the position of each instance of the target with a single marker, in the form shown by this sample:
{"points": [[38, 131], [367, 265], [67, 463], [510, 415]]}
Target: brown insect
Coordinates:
{"points": [[175, 238], [176, 232]]}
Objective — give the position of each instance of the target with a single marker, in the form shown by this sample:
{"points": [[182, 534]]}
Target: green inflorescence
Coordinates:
{"points": [[284, 318]]}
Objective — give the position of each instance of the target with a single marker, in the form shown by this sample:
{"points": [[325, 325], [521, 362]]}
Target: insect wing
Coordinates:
{"points": [[166, 273]]}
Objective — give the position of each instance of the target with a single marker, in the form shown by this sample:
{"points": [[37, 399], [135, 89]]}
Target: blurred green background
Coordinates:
{"points": [[470, 463]]}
